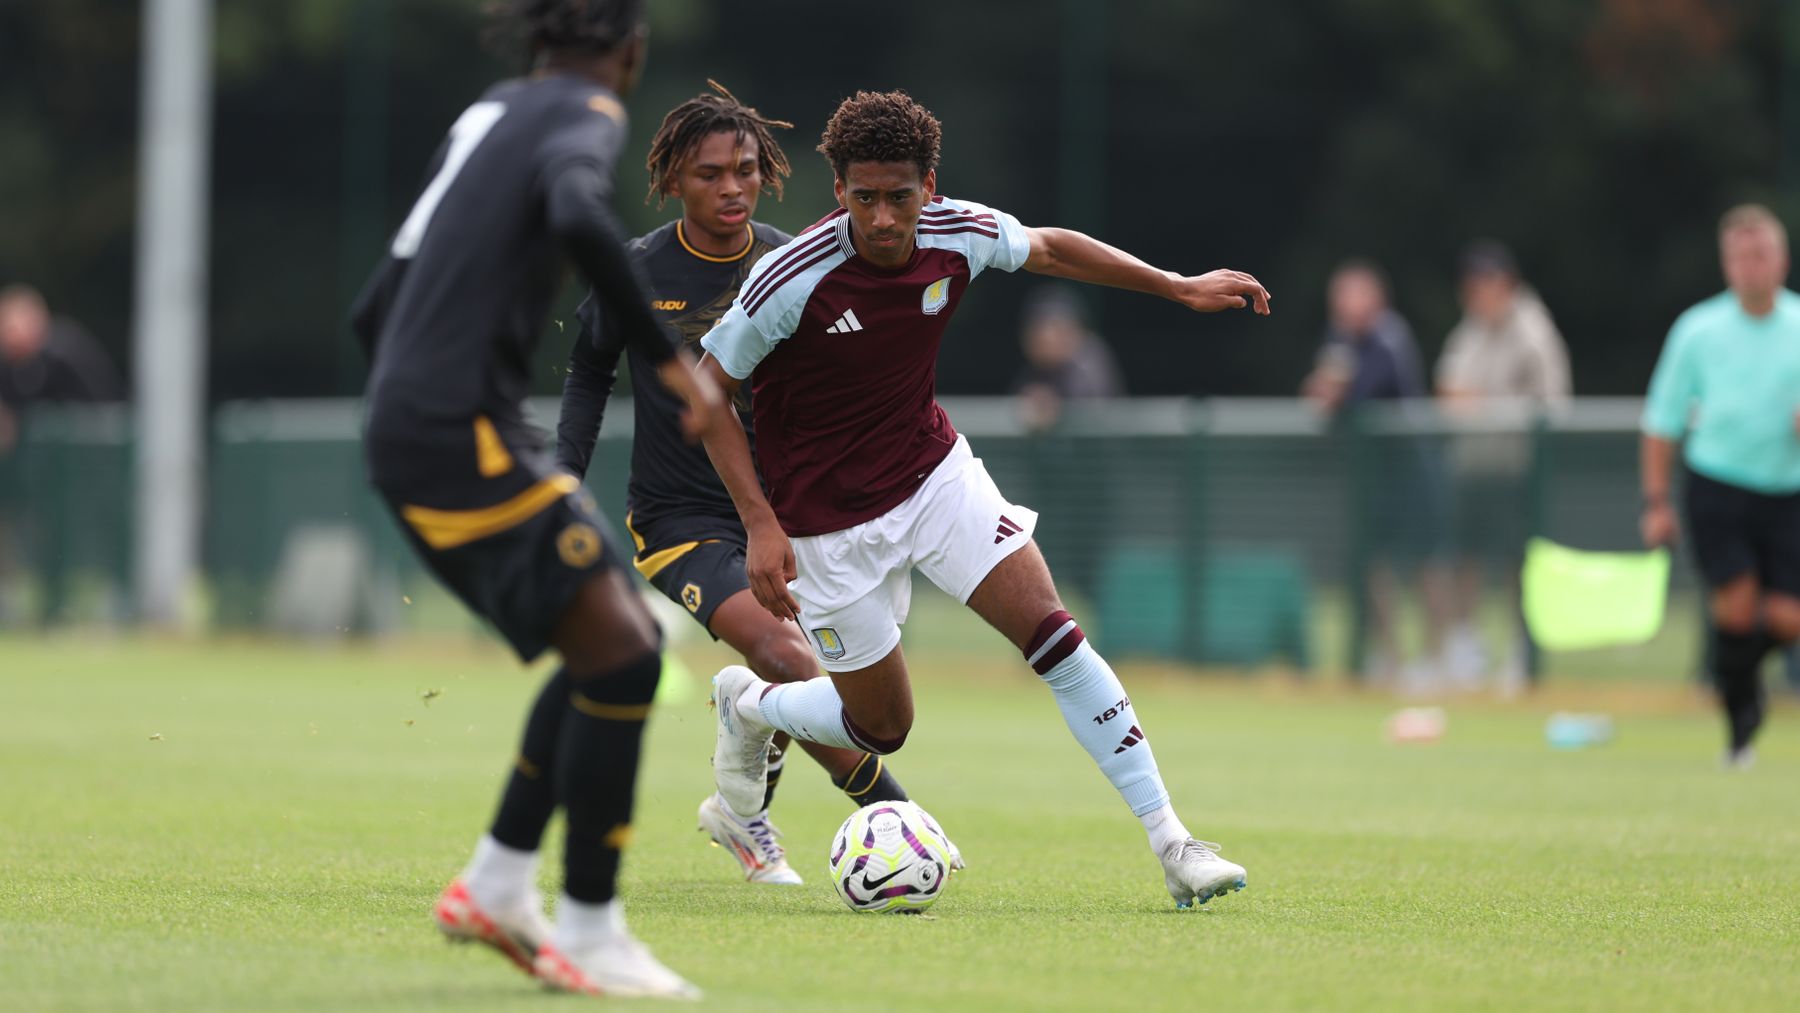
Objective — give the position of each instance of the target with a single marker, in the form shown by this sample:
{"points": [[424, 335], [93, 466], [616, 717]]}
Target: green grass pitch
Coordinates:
{"points": [[262, 825]]}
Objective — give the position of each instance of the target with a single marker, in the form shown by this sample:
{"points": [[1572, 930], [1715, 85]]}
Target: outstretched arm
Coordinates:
{"points": [[769, 558], [1063, 253]]}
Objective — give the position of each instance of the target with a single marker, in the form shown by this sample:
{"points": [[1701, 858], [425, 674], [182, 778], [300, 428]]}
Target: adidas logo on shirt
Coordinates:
{"points": [[845, 324]]}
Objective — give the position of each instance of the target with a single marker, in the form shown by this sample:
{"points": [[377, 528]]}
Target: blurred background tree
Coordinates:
{"points": [[1600, 138]]}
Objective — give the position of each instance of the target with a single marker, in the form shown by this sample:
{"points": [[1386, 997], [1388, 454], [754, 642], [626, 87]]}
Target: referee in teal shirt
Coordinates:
{"points": [[1728, 381]]}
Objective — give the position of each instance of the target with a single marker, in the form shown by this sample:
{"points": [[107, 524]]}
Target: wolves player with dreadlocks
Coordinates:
{"points": [[451, 318], [715, 155]]}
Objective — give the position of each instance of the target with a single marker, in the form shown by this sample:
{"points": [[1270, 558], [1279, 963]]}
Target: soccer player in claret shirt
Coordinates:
{"points": [[715, 155], [451, 318], [837, 334]]}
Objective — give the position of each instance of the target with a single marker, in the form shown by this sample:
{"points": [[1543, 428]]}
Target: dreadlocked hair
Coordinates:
{"points": [[881, 127], [596, 26], [702, 116]]}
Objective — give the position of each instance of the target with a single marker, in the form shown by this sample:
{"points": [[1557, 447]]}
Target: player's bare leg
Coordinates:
{"points": [[1019, 599], [877, 703], [869, 710], [750, 710], [1781, 615], [779, 654]]}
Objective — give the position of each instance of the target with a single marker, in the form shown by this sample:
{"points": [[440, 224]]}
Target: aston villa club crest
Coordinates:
{"points": [[831, 647], [937, 296]]}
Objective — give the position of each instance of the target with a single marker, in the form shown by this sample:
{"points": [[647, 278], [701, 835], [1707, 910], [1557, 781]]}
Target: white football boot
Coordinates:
{"points": [[1192, 871], [752, 842], [620, 966], [741, 750]]}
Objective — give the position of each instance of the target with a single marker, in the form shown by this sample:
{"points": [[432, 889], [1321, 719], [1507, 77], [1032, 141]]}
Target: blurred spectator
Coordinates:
{"points": [[1369, 353], [1502, 366], [1064, 359], [47, 358], [42, 358], [1369, 356]]}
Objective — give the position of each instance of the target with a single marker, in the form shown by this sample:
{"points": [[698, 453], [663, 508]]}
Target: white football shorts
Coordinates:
{"points": [[855, 585]]}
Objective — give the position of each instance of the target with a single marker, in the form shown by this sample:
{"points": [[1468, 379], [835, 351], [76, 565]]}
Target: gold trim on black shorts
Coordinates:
{"points": [[447, 529]]}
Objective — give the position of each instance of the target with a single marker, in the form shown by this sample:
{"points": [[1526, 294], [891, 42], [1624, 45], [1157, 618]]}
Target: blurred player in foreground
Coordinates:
{"points": [[715, 155], [838, 334], [1729, 380], [451, 317]]}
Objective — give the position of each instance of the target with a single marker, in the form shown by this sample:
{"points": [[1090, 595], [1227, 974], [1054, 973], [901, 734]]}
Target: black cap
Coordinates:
{"points": [[1488, 256], [1054, 302]]}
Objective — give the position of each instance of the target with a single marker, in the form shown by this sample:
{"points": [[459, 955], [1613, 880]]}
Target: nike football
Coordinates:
{"points": [[889, 856]]}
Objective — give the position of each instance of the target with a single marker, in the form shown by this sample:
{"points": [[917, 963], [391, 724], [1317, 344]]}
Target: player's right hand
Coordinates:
{"points": [[1222, 290], [706, 404], [1659, 526], [769, 564]]}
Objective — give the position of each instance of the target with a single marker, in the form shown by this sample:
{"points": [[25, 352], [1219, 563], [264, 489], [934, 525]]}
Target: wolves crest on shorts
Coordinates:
{"points": [[579, 545]]}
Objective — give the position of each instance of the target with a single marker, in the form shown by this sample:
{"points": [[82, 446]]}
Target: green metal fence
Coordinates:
{"points": [[65, 517], [1219, 531]]}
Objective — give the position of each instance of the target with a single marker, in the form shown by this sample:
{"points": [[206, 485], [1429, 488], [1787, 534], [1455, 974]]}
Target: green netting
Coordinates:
{"points": [[1209, 532]]}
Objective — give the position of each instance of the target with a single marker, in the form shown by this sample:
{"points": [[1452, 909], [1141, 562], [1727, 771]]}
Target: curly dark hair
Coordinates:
{"points": [[881, 127], [702, 116], [597, 26]]}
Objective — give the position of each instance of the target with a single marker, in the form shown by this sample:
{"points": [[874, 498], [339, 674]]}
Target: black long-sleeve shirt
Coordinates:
{"points": [[519, 188], [689, 292]]}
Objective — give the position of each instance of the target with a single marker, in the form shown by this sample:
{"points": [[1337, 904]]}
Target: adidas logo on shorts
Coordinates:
{"points": [[1006, 530]]}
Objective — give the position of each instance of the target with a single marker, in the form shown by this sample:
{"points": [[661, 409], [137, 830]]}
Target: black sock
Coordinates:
{"points": [[870, 781], [777, 760], [1737, 672], [530, 797], [596, 772]]}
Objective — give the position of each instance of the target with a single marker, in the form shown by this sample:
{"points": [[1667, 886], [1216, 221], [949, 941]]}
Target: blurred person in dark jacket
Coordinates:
{"points": [[1368, 353], [1368, 357], [1064, 359], [43, 358], [46, 358]]}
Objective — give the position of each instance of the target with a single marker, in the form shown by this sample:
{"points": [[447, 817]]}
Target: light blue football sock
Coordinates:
{"points": [[1095, 706], [810, 711]]}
